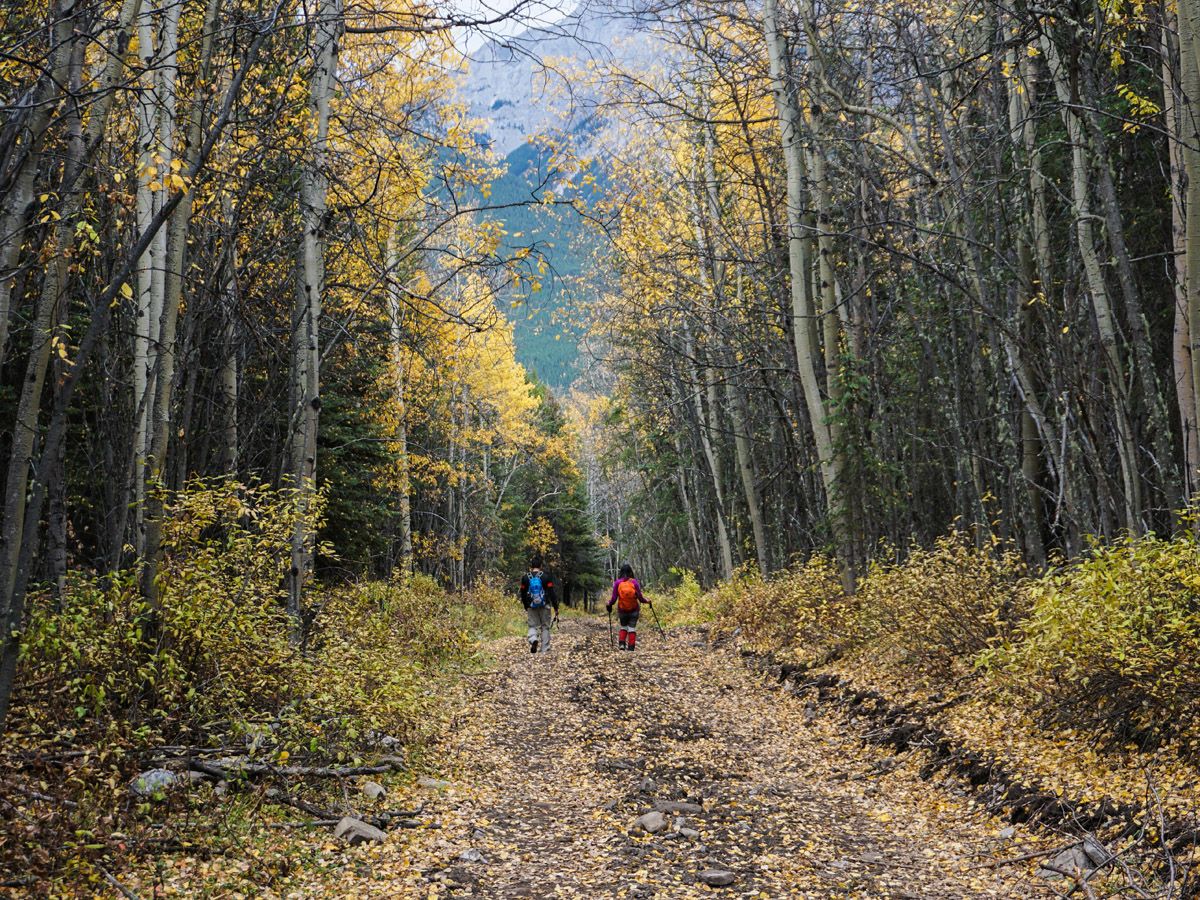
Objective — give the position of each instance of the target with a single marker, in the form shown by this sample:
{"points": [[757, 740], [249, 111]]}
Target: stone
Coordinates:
{"points": [[651, 822], [373, 790], [717, 877], [1096, 852], [1007, 834], [436, 784], [355, 831], [385, 741], [678, 806], [473, 855], [396, 762], [690, 833], [154, 783], [1083, 858], [647, 785], [680, 822]]}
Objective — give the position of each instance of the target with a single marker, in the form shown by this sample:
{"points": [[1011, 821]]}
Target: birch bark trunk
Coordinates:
{"points": [[42, 101], [1131, 499], [176, 260], [396, 310], [310, 265], [799, 266], [16, 537], [1189, 118]]}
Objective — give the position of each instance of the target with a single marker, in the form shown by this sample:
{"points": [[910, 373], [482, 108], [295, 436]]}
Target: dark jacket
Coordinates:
{"points": [[547, 584]]}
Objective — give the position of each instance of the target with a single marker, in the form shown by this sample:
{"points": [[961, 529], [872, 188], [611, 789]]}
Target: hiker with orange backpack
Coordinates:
{"points": [[627, 596]]}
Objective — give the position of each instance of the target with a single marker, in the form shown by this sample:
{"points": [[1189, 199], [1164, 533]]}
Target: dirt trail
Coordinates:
{"points": [[557, 755]]}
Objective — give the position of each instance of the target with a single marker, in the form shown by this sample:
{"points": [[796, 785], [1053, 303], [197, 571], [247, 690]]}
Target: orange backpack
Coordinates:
{"points": [[627, 592]]}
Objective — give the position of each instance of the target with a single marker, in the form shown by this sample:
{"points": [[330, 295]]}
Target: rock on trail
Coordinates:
{"points": [[675, 773]]}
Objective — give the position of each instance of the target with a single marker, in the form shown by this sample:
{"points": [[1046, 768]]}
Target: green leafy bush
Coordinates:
{"points": [[214, 647], [1112, 642]]}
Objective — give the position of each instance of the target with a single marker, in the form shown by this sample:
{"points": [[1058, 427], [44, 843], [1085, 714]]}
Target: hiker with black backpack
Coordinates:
{"points": [[627, 596], [539, 598]]}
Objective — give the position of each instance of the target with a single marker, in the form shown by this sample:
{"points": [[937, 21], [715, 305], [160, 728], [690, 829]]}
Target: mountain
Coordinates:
{"points": [[536, 83]]}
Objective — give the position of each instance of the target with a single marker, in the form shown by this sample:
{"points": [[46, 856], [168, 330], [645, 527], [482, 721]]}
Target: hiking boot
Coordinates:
{"points": [[622, 646], [533, 645]]}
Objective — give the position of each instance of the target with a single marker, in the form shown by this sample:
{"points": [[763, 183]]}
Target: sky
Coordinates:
{"points": [[522, 15]]}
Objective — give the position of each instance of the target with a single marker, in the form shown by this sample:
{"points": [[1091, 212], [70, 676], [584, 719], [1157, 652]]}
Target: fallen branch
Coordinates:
{"points": [[117, 886], [251, 769], [277, 796], [392, 818], [995, 863], [311, 823]]}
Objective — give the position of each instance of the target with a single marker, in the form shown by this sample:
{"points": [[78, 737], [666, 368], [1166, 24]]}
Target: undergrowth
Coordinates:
{"points": [[111, 685], [1108, 644]]}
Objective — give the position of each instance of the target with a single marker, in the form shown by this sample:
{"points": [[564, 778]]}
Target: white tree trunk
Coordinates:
{"points": [[1097, 288], [326, 30], [396, 315], [806, 337]]}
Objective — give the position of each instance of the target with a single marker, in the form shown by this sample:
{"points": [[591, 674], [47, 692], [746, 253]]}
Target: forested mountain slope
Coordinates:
{"points": [[538, 96]]}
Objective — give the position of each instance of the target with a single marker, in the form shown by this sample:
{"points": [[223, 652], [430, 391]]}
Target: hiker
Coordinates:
{"points": [[627, 595], [539, 597]]}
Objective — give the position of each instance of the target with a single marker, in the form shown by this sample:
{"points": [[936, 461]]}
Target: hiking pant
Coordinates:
{"points": [[628, 632], [539, 619]]}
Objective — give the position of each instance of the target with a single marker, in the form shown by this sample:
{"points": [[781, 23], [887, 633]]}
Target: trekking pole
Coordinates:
{"points": [[610, 634], [654, 612]]}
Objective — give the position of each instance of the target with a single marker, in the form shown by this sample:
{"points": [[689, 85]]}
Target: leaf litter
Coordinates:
{"points": [[552, 759]]}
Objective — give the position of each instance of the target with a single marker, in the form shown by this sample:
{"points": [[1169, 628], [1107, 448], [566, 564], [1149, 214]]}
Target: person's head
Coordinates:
{"points": [[626, 571], [535, 563]]}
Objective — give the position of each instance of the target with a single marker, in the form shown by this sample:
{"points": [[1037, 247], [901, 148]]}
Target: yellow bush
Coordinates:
{"points": [[940, 607], [934, 611], [685, 603], [215, 654], [1113, 641], [214, 648], [800, 613]]}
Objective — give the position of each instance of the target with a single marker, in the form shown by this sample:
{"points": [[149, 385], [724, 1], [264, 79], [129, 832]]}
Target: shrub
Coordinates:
{"points": [[211, 665], [376, 648], [801, 612], [940, 607], [1113, 642], [214, 648], [684, 603]]}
